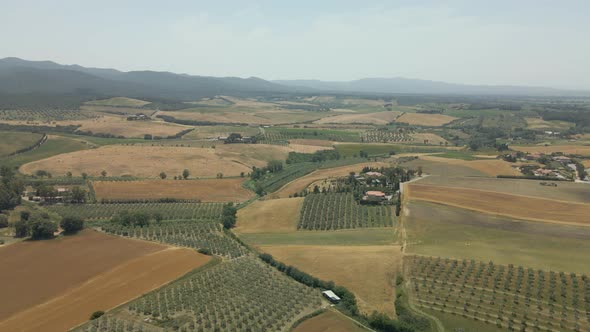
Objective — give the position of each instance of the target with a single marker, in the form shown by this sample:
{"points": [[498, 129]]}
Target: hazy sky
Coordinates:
{"points": [[541, 43]]}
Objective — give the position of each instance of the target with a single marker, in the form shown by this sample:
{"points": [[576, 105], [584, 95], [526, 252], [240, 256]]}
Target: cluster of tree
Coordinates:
{"points": [[75, 195], [228, 216], [11, 189], [71, 225], [238, 138], [132, 219], [273, 166], [36, 225], [581, 118], [318, 156]]}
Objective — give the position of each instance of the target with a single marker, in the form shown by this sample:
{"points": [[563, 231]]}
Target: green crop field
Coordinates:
{"points": [[243, 294], [437, 230], [340, 211], [509, 297], [53, 146], [13, 141], [200, 211], [193, 234]]}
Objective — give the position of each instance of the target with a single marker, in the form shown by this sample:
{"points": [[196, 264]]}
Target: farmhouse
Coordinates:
{"points": [[373, 174], [331, 296], [375, 196]]}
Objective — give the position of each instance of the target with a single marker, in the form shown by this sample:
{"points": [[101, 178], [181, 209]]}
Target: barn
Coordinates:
{"points": [[331, 296]]}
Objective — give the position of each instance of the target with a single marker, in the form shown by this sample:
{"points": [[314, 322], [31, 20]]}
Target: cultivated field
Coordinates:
{"points": [[53, 146], [564, 191], [329, 321], [515, 206], [345, 237], [567, 149], [508, 297], [446, 231], [443, 169], [305, 148], [312, 142], [210, 190], [334, 211], [378, 118], [11, 141], [270, 216], [303, 182], [168, 211], [104, 271], [491, 167], [202, 132], [241, 294], [428, 138], [149, 161], [349, 266], [431, 120]]}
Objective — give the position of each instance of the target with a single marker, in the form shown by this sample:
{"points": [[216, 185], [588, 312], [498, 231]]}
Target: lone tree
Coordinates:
{"points": [[103, 173], [163, 175], [84, 176], [41, 228], [72, 225], [229, 216], [185, 174]]}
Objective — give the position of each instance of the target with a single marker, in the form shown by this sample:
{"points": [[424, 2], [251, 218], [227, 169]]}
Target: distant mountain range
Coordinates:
{"points": [[400, 85], [19, 76], [48, 79]]}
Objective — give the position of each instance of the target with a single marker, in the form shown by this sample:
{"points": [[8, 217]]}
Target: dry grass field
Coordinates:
{"points": [[493, 167], [329, 321], [433, 120], [119, 126], [119, 101], [207, 190], [56, 284], [303, 182], [514, 206], [539, 123], [429, 138], [107, 290], [304, 148], [368, 271], [312, 142], [149, 161], [567, 149], [438, 230], [270, 216], [586, 163], [202, 132], [378, 118]]}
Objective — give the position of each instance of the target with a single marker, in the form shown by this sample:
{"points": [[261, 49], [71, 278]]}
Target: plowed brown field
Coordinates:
{"points": [[515, 206], [56, 284], [209, 190]]}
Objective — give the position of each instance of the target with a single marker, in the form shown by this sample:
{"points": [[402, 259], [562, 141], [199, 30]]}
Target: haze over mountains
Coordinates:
{"points": [[19, 77]]}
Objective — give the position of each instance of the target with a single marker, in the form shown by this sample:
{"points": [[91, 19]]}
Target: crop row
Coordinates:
{"points": [[332, 211], [207, 235], [238, 295], [108, 323], [167, 210], [383, 136], [507, 296], [43, 115]]}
